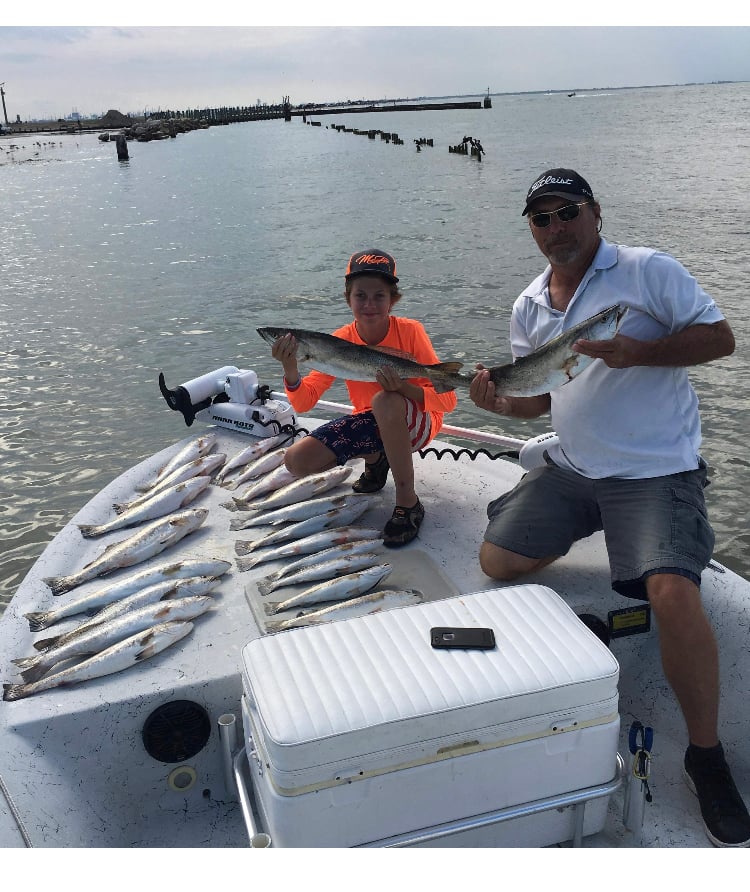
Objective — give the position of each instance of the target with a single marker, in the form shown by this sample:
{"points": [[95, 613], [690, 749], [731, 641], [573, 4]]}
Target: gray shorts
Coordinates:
{"points": [[653, 525]]}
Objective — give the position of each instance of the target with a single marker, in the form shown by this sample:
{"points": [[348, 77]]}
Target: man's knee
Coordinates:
{"points": [[499, 563], [673, 597]]}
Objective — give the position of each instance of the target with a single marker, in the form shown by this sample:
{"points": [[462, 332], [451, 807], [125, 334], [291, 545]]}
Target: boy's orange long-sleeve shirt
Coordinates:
{"points": [[405, 335]]}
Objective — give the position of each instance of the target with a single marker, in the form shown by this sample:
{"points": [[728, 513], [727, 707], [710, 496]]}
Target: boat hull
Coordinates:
{"points": [[84, 745]]}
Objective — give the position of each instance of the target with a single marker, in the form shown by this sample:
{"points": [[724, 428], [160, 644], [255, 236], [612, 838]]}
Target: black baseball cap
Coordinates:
{"points": [[371, 261], [560, 182]]}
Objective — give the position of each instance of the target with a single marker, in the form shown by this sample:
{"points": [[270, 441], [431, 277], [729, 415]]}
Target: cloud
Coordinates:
{"points": [[48, 71]]}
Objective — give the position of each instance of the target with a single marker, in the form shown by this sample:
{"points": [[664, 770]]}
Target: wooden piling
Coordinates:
{"points": [[122, 147]]}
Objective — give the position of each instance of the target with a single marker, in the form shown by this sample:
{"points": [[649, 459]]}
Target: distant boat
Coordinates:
{"points": [[571, 94]]}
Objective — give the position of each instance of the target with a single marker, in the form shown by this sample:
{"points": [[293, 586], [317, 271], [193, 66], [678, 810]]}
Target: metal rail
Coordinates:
{"points": [[576, 799], [464, 432], [258, 839]]}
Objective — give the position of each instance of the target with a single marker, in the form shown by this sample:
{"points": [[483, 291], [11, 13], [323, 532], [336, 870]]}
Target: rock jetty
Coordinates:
{"points": [[166, 128]]}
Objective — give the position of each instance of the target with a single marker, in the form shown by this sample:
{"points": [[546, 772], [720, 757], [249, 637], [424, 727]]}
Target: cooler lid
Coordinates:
{"points": [[329, 692]]}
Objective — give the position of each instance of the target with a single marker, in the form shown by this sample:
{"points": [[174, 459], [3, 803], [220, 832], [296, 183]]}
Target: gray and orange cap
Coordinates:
{"points": [[560, 182], [371, 262]]}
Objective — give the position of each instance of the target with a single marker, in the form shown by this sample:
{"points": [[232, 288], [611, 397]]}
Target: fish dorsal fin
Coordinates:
{"points": [[392, 351], [450, 368]]}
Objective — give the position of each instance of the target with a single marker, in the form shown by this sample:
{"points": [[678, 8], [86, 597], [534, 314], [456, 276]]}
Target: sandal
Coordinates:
{"points": [[374, 476], [403, 525]]}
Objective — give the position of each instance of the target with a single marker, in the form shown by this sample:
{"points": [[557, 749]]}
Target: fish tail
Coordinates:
{"points": [[230, 506], [237, 523], [120, 507], [267, 585], [276, 625], [37, 621], [442, 386], [242, 547], [447, 376], [89, 531], [247, 563], [34, 673], [26, 662], [15, 691], [44, 643], [272, 608], [59, 584]]}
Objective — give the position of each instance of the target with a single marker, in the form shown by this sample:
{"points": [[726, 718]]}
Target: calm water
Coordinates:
{"points": [[113, 271]]}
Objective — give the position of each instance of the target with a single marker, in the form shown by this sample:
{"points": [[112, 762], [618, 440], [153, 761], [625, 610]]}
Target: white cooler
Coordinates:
{"points": [[359, 731]]}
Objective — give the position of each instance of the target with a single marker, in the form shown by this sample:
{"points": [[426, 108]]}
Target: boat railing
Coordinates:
{"points": [[577, 799], [466, 433]]}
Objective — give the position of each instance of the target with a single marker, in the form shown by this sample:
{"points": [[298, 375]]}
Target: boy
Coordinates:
{"points": [[393, 417]]}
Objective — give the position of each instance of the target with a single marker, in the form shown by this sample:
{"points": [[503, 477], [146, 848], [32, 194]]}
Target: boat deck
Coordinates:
{"points": [[82, 745]]}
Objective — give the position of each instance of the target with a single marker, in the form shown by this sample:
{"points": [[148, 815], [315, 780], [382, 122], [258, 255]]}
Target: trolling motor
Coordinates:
{"points": [[230, 397]]}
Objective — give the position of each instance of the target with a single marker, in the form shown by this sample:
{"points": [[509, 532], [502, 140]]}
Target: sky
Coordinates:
{"points": [[60, 60]]}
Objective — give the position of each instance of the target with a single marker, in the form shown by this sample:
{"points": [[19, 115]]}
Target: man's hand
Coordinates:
{"points": [[690, 346], [482, 393], [620, 352]]}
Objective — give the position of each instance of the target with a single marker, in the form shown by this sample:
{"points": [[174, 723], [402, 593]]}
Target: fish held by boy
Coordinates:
{"points": [[335, 356], [139, 647], [552, 365]]}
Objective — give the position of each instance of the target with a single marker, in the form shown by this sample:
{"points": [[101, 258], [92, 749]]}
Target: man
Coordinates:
{"points": [[627, 458]]}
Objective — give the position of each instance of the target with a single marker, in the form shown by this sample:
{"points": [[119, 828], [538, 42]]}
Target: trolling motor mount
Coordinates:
{"points": [[229, 397]]}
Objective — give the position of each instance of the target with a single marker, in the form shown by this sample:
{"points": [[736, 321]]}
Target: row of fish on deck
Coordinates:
{"points": [[139, 615]]}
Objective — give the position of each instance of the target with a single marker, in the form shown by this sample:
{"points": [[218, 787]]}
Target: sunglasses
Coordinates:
{"points": [[563, 214]]}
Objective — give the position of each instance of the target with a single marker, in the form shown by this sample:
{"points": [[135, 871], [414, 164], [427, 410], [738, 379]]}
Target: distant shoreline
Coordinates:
{"points": [[91, 125]]}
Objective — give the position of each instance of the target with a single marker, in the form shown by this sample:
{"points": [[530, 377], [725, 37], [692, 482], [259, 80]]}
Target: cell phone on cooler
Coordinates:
{"points": [[467, 638]]}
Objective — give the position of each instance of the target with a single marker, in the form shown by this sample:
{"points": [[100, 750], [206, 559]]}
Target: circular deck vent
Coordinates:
{"points": [[176, 731]]}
